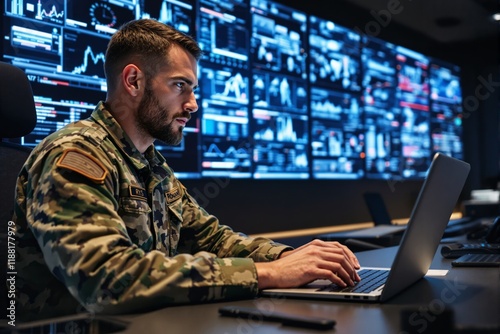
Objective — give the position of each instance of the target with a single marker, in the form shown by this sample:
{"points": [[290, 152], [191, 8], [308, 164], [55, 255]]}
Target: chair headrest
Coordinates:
{"points": [[17, 105]]}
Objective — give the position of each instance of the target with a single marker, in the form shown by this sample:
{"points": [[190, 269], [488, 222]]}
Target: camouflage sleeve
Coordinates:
{"points": [[220, 239], [86, 246]]}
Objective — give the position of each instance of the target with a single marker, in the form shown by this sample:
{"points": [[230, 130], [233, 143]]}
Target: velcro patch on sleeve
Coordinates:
{"points": [[84, 164]]}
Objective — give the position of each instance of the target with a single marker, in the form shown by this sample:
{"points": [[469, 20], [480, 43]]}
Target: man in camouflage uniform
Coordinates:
{"points": [[103, 225]]}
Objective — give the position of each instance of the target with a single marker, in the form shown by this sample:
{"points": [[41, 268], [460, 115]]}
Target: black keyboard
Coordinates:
{"points": [[477, 260], [455, 250], [371, 279]]}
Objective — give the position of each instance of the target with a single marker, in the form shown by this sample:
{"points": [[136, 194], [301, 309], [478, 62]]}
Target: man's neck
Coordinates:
{"points": [[125, 116]]}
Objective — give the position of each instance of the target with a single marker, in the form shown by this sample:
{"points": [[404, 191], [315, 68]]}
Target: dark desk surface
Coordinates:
{"points": [[473, 294]]}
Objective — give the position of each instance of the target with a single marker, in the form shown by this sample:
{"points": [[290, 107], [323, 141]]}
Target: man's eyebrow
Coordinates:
{"points": [[188, 81]]}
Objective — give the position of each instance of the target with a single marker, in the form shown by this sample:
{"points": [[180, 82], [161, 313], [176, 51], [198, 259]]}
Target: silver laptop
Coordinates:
{"points": [[432, 210]]}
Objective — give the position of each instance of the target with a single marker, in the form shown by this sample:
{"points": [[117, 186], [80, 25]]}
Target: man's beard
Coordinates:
{"points": [[151, 120]]}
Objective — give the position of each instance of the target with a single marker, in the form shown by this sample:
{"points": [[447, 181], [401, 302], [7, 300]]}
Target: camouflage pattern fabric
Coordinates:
{"points": [[103, 228]]}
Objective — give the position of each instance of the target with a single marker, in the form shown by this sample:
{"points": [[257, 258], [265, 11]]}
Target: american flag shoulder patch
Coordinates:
{"points": [[83, 163]]}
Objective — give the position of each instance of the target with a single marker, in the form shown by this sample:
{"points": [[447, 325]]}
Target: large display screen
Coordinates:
{"points": [[279, 107], [284, 94], [337, 138]]}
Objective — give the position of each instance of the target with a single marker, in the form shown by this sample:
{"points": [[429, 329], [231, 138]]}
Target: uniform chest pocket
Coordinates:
{"points": [[175, 211]]}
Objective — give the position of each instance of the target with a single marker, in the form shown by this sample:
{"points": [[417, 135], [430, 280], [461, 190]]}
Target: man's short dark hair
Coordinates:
{"points": [[144, 42]]}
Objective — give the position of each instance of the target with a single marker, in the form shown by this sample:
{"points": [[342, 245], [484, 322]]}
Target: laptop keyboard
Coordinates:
{"points": [[371, 279]]}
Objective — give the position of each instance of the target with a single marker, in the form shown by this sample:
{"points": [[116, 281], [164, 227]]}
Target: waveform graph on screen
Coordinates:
{"points": [[226, 158], [89, 58], [84, 54], [231, 152], [52, 14], [42, 10]]}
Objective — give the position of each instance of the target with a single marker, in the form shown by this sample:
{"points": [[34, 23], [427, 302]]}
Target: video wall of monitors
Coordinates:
{"points": [[284, 94]]}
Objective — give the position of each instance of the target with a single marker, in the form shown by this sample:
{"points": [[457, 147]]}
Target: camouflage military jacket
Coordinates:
{"points": [[104, 228]]}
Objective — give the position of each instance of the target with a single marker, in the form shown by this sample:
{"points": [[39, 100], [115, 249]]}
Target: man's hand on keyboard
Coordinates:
{"points": [[315, 260]]}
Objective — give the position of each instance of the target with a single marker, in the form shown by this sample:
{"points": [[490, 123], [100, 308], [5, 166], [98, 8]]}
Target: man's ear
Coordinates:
{"points": [[132, 79]]}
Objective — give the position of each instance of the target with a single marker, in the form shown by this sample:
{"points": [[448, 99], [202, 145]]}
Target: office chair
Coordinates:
{"points": [[17, 119], [377, 208]]}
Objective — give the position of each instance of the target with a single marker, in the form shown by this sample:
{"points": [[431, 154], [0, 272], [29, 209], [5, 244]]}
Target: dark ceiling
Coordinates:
{"points": [[443, 21]]}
